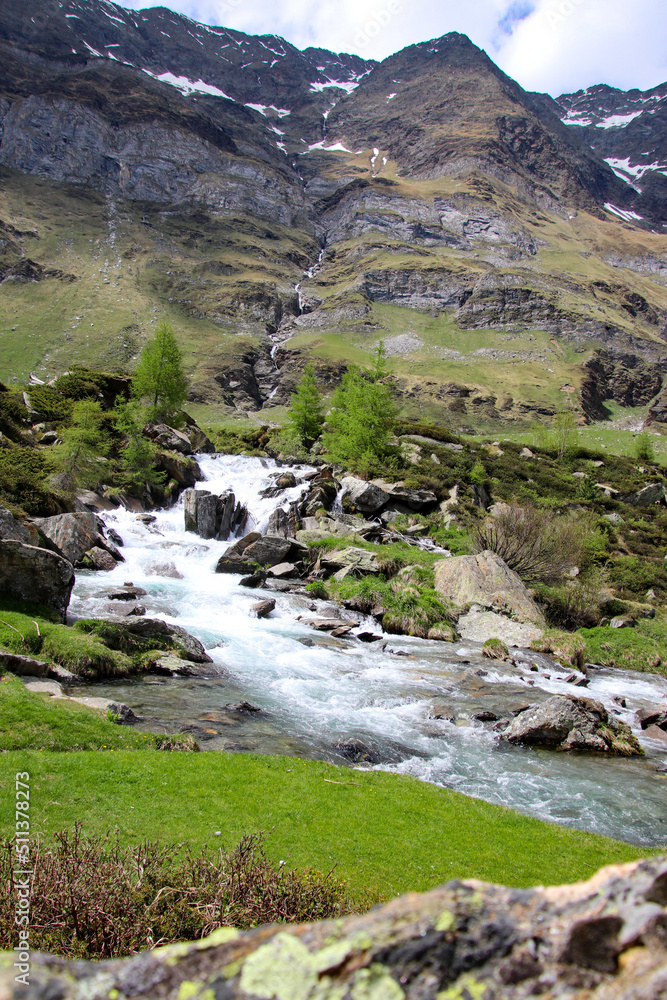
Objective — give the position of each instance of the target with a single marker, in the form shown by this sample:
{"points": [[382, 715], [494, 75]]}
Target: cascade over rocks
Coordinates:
{"points": [[36, 575], [603, 939], [487, 580], [567, 722]]}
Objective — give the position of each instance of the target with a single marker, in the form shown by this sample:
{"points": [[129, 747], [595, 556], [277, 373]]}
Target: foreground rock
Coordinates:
{"points": [[571, 723], [486, 580], [255, 551], [598, 940], [36, 575], [350, 562]]}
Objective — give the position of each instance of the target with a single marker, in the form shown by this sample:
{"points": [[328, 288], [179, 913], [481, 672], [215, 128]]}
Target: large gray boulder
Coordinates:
{"points": [[154, 628], [414, 499], [568, 722], [598, 940], [269, 550], [487, 580], [36, 575], [74, 536], [365, 497]]}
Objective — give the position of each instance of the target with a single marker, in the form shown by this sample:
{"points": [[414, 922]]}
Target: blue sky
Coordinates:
{"points": [[548, 45]]}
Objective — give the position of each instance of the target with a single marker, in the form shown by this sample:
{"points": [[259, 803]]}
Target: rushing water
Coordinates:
{"points": [[317, 692]]}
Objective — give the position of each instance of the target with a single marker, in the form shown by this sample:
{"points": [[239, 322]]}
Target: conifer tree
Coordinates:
{"points": [[159, 375], [305, 418], [362, 414]]}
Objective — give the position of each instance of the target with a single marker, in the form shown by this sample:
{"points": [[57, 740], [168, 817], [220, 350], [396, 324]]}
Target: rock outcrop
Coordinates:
{"points": [[567, 722], [604, 939], [75, 536], [36, 575], [485, 579], [211, 516]]}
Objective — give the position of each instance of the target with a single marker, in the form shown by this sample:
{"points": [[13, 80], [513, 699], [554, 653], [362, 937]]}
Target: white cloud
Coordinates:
{"points": [[547, 45]]}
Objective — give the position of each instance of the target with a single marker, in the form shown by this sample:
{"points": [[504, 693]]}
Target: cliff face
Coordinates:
{"points": [[605, 939], [151, 166]]}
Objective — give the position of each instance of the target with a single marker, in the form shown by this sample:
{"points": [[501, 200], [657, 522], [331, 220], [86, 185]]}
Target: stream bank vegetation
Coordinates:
{"points": [[93, 898]]}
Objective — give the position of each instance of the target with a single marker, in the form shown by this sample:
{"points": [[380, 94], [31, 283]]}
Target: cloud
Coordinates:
{"points": [[547, 45]]}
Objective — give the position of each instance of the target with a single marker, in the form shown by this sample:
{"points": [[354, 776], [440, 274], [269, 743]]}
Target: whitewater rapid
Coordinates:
{"points": [[318, 693]]}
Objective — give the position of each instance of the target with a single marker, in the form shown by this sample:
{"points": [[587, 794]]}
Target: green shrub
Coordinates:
{"points": [[633, 577], [576, 604], [644, 449], [24, 474], [49, 403], [318, 590], [93, 899]]}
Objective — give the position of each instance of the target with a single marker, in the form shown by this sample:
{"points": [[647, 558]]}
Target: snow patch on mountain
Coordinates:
{"points": [[186, 86], [618, 121], [622, 213]]}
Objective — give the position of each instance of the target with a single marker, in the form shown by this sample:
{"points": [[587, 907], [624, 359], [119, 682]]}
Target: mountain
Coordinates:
{"points": [[280, 206], [628, 129]]}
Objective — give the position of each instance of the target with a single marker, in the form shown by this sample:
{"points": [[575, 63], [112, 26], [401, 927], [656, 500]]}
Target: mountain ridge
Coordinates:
{"points": [[304, 205]]}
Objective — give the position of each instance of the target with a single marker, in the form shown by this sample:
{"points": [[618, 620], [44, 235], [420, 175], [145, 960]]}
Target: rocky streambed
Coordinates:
{"points": [[279, 682]]}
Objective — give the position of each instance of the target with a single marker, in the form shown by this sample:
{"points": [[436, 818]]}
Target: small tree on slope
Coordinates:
{"points": [[159, 374], [305, 418]]}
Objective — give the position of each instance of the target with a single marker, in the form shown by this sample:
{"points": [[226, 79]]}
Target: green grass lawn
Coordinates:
{"points": [[29, 720], [387, 834]]}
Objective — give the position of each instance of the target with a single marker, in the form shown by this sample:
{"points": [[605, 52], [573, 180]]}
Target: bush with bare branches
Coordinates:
{"points": [[537, 544], [92, 898]]}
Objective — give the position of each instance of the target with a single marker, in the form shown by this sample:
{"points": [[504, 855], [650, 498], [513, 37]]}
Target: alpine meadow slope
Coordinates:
{"points": [[281, 208]]}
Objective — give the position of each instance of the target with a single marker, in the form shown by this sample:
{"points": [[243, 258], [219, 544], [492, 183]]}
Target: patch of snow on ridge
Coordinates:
{"points": [[337, 147], [348, 86], [624, 170], [618, 121], [390, 97], [188, 87], [622, 213]]}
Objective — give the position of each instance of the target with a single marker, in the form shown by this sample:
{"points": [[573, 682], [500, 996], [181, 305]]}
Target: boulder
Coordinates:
{"points": [[13, 530], [282, 569], [212, 516], [358, 561], [646, 497], [648, 717], [169, 438], [264, 608], [495, 649], [184, 471], [568, 722], [98, 558], [487, 580], [442, 632], [28, 666], [284, 523], [269, 550], [152, 628], [365, 497], [71, 535], [414, 499], [236, 550], [36, 575], [479, 625]]}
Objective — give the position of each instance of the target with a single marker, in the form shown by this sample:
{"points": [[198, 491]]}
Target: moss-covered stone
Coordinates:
{"points": [[495, 649]]}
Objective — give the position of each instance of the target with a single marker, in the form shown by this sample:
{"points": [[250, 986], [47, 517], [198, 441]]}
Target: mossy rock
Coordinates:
{"points": [[566, 647], [495, 649], [443, 632], [85, 655]]}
